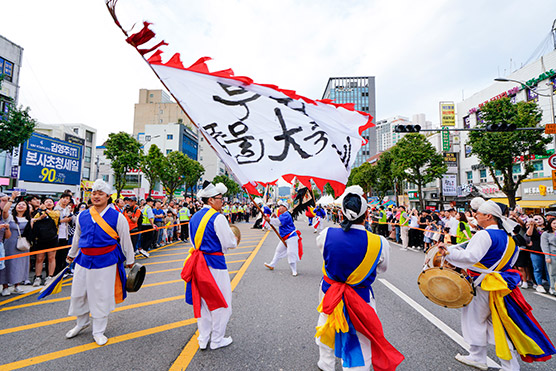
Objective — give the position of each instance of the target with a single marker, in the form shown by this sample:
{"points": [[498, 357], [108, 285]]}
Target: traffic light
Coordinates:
{"points": [[501, 127], [407, 128]]}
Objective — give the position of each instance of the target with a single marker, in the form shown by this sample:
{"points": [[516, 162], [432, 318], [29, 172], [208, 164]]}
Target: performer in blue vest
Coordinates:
{"points": [[288, 232], [498, 314], [205, 272], [320, 217], [101, 247], [348, 326]]}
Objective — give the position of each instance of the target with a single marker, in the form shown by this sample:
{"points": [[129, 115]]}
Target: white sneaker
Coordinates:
{"points": [[269, 266], [37, 282], [294, 274], [76, 330], [47, 280], [17, 290], [467, 361], [6, 292], [223, 343], [552, 292], [203, 346], [100, 340], [144, 253], [540, 288], [524, 285]]}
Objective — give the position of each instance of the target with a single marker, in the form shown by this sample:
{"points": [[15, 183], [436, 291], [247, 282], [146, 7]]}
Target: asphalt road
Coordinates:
{"points": [[273, 320]]}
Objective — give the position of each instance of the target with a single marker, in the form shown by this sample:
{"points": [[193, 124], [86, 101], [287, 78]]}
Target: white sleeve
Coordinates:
{"points": [[224, 233], [384, 259], [75, 242], [125, 240], [476, 249], [275, 222], [321, 238]]}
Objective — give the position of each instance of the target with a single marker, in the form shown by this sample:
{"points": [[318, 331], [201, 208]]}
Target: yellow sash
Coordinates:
{"points": [[200, 233], [336, 321], [102, 224]]}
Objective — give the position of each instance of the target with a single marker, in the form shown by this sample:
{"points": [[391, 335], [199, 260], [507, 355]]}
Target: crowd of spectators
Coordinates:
{"points": [[47, 223]]}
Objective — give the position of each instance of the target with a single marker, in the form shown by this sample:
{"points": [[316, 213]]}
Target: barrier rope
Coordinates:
{"points": [[21, 255], [438, 232]]}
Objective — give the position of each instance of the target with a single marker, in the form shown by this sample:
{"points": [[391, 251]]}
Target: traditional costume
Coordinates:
{"points": [[320, 215], [348, 326], [288, 232], [205, 272], [498, 314], [266, 212], [101, 245]]}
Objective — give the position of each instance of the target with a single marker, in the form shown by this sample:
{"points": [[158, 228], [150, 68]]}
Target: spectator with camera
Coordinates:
{"points": [[133, 216], [66, 216], [535, 228], [45, 236], [147, 222]]}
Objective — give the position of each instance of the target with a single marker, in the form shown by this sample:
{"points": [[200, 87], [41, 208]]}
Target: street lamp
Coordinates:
{"points": [[551, 95]]}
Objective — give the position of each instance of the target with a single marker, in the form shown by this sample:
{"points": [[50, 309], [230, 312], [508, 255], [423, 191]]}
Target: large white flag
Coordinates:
{"points": [[262, 132]]}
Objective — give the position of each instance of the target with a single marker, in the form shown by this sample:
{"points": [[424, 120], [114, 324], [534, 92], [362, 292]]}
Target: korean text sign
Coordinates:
{"points": [[49, 160]]}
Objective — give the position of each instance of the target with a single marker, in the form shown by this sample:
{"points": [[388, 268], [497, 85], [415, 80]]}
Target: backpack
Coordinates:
{"points": [[45, 229]]}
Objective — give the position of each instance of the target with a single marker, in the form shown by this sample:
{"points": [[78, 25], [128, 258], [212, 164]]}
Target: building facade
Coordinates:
{"points": [[472, 175], [361, 92], [11, 57]]}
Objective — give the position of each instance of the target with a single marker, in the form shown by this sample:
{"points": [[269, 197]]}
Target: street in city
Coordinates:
{"points": [[272, 325]]}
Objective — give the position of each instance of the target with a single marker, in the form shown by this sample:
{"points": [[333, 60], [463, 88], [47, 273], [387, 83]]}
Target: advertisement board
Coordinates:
{"points": [[447, 114], [449, 186], [49, 160]]}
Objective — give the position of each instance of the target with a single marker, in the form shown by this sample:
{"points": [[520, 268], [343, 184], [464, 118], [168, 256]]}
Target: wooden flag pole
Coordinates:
{"points": [[262, 213]]}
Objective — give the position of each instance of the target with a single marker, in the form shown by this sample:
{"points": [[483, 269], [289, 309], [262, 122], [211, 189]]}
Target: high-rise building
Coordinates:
{"points": [[11, 56], [385, 134], [160, 119], [361, 92]]}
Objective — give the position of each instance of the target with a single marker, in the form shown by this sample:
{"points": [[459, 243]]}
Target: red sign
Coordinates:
{"points": [[552, 161]]}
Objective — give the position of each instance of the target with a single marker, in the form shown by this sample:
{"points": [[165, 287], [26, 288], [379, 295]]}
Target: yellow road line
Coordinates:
{"points": [[240, 253], [190, 349], [27, 294], [90, 346], [166, 261], [179, 269], [70, 318], [157, 249]]}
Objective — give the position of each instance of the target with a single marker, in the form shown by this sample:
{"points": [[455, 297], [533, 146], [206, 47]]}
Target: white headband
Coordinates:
{"points": [[212, 190], [101, 185], [491, 208]]}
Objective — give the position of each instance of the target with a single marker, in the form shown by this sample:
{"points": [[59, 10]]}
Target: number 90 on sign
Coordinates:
{"points": [[48, 174]]}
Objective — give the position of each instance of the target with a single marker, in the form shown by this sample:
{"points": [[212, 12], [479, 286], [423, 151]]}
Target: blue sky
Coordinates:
{"points": [[78, 68]]}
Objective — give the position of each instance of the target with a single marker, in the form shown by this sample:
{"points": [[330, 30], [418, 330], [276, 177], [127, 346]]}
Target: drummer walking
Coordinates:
{"points": [[205, 271], [498, 314], [101, 244]]}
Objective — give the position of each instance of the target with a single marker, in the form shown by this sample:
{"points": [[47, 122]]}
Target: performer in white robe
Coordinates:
{"points": [[99, 259], [212, 237], [293, 251]]}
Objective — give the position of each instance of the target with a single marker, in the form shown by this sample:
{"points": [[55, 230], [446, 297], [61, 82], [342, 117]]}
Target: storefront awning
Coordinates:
{"points": [[531, 204]]}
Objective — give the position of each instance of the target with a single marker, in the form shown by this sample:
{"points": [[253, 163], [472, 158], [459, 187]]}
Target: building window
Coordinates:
{"points": [[76, 130], [87, 154], [497, 172], [106, 178], [469, 177], [169, 137], [516, 169], [151, 95], [6, 68], [538, 166], [132, 180], [483, 175], [89, 136], [168, 151], [86, 173]]}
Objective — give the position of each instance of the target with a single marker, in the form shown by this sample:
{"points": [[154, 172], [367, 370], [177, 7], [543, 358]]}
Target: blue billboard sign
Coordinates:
{"points": [[49, 160]]}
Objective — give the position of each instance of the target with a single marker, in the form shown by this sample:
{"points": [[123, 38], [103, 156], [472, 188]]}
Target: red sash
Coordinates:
{"points": [[196, 273], [299, 243], [365, 320], [96, 251]]}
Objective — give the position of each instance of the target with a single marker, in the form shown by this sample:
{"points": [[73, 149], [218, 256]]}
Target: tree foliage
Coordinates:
{"points": [[124, 152], [363, 176], [192, 173], [16, 126], [498, 150], [233, 187], [172, 170], [328, 190], [151, 164], [417, 161]]}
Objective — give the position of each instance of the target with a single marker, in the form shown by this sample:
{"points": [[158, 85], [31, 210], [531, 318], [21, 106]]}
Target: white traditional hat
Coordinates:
{"points": [[282, 203], [101, 185], [492, 208], [349, 213], [476, 203], [211, 190]]}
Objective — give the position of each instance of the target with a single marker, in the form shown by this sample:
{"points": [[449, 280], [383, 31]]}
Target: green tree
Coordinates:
{"points": [[172, 172], [124, 152], [363, 176], [415, 158], [150, 165], [16, 126], [498, 150], [233, 187], [192, 173], [328, 190]]}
